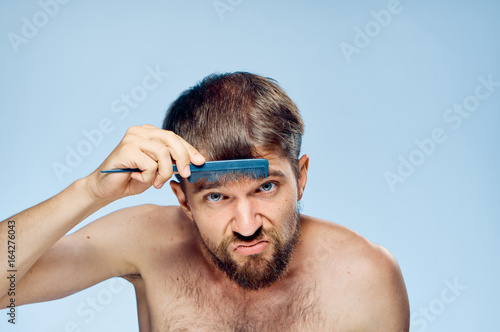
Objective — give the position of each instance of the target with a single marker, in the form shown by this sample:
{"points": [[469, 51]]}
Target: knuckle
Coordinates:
{"points": [[163, 150], [132, 130], [127, 139], [152, 165], [170, 134], [185, 159], [129, 144], [164, 174], [149, 175]]}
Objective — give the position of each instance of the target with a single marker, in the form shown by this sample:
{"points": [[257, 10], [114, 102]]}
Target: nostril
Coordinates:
{"points": [[249, 238]]}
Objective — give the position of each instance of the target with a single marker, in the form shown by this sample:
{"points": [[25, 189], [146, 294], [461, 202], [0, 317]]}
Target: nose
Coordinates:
{"points": [[245, 221]]}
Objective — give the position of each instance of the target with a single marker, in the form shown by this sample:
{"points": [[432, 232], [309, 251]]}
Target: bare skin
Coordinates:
{"points": [[336, 279]]}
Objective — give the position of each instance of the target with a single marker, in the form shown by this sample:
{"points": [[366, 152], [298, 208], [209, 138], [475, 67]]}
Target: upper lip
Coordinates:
{"points": [[247, 244]]}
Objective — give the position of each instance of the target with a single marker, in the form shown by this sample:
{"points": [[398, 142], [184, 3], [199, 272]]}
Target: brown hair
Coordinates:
{"points": [[227, 116]]}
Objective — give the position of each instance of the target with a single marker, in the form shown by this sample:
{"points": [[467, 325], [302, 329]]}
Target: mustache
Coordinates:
{"points": [[259, 235]]}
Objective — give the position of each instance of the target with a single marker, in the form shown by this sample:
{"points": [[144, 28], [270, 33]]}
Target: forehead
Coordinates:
{"points": [[279, 167]]}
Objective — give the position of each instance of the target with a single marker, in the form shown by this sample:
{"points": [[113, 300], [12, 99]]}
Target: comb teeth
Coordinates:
{"points": [[227, 170], [221, 176]]}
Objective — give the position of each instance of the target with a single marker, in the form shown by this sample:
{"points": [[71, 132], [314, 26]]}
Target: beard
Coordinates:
{"points": [[257, 272]]}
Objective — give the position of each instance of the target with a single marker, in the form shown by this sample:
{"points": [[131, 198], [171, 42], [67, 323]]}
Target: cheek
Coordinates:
{"points": [[282, 214], [288, 211], [210, 225]]}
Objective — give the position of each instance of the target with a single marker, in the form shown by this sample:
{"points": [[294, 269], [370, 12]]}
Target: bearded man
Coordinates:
{"points": [[236, 254]]}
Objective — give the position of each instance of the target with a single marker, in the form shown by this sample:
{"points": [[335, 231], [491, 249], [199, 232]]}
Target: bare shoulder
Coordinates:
{"points": [[138, 221], [130, 234], [364, 275], [150, 218]]}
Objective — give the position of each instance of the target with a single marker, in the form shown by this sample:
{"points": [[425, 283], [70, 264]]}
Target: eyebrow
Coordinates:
{"points": [[217, 184]]}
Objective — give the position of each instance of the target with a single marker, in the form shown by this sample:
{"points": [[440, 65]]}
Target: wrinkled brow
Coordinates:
{"points": [[218, 184]]}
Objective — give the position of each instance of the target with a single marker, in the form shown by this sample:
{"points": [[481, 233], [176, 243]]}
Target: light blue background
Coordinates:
{"points": [[441, 223]]}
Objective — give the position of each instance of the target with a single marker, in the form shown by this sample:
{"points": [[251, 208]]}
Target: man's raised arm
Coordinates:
{"points": [[32, 233]]}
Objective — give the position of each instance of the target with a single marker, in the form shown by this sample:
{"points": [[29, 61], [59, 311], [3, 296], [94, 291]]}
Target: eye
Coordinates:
{"points": [[268, 186], [214, 197]]}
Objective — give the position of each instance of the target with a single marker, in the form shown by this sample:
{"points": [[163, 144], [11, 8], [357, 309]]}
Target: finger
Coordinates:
{"points": [[178, 152], [181, 151], [137, 176], [194, 155], [177, 149], [161, 155], [147, 166], [164, 173]]}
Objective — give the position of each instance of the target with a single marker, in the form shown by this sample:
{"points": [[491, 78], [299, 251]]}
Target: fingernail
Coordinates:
{"points": [[199, 157], [187, 171], [161, 185]]}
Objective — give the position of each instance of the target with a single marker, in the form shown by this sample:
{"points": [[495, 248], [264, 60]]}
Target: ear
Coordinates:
{"points": [[181, 197], [303, 168]]}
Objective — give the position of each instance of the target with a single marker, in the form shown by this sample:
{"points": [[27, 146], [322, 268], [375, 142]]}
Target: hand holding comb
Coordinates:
{"points": [[221, 170]]}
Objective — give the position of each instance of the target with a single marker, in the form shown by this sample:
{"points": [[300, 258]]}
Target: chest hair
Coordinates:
{"points": [[198, 305]]}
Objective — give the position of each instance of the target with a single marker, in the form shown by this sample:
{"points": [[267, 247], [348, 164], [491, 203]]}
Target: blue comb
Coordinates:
{"points": [[221, 170]]}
